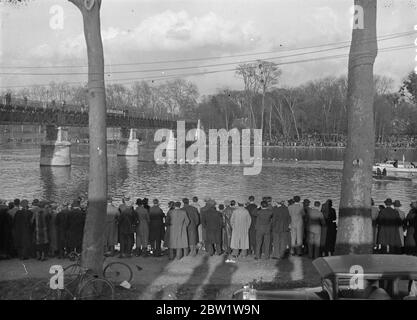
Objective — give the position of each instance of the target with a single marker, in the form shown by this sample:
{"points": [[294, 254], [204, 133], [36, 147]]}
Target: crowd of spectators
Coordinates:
{"points": [[339, 141]]}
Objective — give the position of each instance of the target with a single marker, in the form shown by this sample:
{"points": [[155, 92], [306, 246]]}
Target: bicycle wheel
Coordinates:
{"points": [[96, 289], [117, 272], [71, 273], [42, 291]]}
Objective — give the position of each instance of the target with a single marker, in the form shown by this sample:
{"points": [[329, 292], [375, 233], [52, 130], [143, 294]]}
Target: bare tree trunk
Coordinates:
{"points": [[354, 234], [253, 121], [263, 111], [281, 119], [226, 119], [295, 124], [270, 123], [92, 255]]}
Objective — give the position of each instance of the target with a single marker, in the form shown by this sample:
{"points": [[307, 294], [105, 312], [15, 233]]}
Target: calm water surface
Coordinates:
{"points": [[317, 176]]}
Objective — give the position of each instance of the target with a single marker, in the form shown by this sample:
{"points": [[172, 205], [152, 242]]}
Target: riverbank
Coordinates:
{"points": [[201, 277]]}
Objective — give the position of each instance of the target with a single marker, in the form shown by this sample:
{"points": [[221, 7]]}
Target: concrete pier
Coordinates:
{"points": [[128, 144], [56, 151]]}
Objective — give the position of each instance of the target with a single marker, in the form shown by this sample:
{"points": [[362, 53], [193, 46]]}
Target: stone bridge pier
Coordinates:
{"points": [[128, 143], [56, 150]]}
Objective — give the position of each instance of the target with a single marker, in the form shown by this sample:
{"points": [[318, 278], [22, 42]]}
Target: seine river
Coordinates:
{"points": [[315, 175]]}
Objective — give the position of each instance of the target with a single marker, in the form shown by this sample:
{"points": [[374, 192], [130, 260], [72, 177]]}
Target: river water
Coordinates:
{"points": [[316, 176]]}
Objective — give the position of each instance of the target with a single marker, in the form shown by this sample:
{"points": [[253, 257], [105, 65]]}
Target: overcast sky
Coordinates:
{"points": [[137, 31]]}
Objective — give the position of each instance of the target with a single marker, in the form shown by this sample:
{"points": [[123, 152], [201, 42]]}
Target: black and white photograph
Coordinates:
{"points": [[225, 151]]}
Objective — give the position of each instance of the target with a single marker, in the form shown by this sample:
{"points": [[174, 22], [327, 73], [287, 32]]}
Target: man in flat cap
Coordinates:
{"points": [[389, 222]]}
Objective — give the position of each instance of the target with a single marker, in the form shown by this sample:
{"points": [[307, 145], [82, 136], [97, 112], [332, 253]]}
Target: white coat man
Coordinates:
{"points": [[297, 226], [240, 222]]}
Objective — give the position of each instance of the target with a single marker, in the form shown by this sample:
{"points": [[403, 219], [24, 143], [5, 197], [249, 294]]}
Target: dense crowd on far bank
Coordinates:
{"points": [[269, 229], [339, 141]]}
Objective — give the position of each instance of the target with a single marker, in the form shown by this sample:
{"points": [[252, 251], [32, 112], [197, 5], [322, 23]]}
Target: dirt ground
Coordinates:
{"points": [[200, 277]]}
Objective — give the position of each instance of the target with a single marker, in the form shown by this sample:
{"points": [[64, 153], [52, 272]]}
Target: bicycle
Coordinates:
{"points": [[87, 286], [115, 272]]}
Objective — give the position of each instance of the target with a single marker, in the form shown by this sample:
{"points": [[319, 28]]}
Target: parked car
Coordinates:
{"points": [[357, 277]]}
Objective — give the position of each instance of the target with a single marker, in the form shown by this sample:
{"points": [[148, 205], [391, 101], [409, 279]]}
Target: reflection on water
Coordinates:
{"points": [[313, 178]]}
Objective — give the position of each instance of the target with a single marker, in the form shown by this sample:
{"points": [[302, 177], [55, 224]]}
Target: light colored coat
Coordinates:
{"points": [[400, 228], [240, 222], [315, 223], [178, 230], [110, 233]]}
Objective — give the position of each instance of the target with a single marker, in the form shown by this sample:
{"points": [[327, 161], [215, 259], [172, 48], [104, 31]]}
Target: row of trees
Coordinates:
{"points": [[316, 107], [177, 96], [289, 113]]}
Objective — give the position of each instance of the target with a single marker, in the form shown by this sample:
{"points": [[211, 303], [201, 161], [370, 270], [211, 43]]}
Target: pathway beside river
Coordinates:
{"points": [[200, 277]]}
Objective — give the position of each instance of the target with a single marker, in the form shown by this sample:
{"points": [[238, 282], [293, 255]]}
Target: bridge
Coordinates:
{"points": [[55, 151]]}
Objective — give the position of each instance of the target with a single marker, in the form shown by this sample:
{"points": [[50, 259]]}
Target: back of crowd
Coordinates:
{"points": [[271, 230]]}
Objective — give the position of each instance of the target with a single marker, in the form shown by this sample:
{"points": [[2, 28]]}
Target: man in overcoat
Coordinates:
{"points": [[178, 238], [192, 228], [212, 223]]}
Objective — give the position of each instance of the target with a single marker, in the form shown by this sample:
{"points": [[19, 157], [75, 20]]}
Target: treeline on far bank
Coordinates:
{"points": [[313, 110]]}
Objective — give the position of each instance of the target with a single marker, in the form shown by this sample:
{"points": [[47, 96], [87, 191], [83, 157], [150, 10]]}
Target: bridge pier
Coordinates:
{"points": [[171, 148], [128, 144], [55, 151]]}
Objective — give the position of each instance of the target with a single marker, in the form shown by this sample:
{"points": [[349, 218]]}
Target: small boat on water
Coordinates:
{"points": [[395, 166]]}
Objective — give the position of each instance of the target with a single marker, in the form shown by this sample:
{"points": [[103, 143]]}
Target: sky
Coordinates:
{"points": [[145, 34]]}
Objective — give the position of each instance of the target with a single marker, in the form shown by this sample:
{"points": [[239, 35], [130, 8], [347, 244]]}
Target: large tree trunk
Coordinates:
{"points": [[354, 234], [92, 255]]}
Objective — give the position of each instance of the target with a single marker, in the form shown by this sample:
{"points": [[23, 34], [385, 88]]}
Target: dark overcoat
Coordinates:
{"points": [[410, 239], [253, 211], [192, 231], [156, 224], [76, 220], [212, 222], [61, 222], [22, 229], [388, 223]]}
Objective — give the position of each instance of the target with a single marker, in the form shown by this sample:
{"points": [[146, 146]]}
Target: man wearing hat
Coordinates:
{"points": [[203, 211], [253, 211], [410, 241], [388, 223], [315, 222], [297, 225], [76, 220], [281, 236], [227, 227], [306, 208], [240, 222], [6, 237], [61, 222], [397, 206], [156, 227], [374, 216], [22, 229], [212, 223], [263, 230], [192, 231], [178, 239], [41, 229], [111, 231], [126, 222], [196, 205]]}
